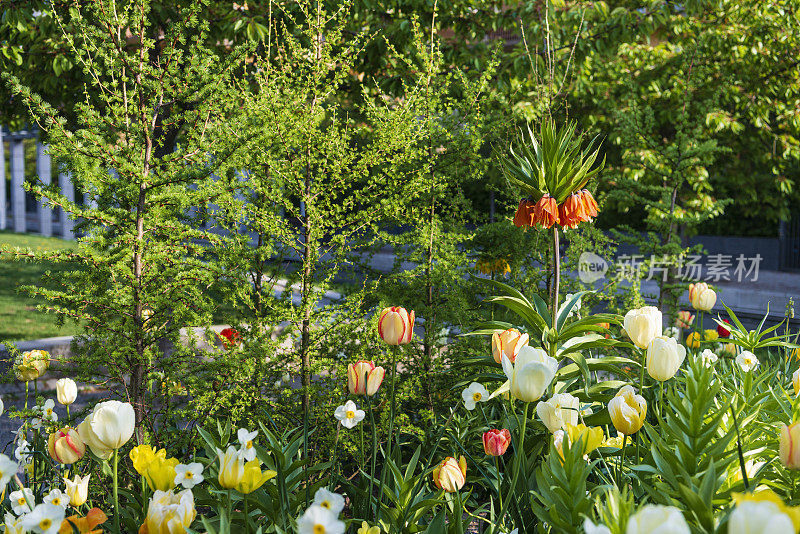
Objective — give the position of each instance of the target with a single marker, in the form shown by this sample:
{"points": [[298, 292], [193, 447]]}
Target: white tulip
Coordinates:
{"points": [[591, 528], [108, 427], [657, 519], [559, 411], [664, 358], [531, 374], [642, 325], [758, 517], [66, 391], [170, 512]]}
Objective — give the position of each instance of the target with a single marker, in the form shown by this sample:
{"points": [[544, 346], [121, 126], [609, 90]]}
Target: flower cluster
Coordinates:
{"points": [[578, 207]]}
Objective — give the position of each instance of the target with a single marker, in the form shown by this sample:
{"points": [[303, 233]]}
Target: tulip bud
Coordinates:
{"points": [[664, 358], [66, 391], [77, 489], [627, 411], [451, 475], [722, 331], [363, 378], [702, 297], [559, 411], [66, 446], [31, 365], [531, 375], [496, 442], [231, 467], [589, 437], [789, 446], [796, 382], [396, 325], [508, 342], [642, 325]]}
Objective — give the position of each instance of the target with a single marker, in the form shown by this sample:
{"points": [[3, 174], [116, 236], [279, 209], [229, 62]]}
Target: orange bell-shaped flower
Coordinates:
{"points": [[524, 215], [546, 211]]}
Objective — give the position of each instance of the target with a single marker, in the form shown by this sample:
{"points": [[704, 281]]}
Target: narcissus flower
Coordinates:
{"points": [[451, 474], [86, 524], [169, 513], [66, 391], [57, 497], [524, 214], [473, 394], [348, 414], [66, 446], [231, 467], [664, 358], [21, 501], [627, 410], [190, 475], [708, 357], [545, 212], [77, 489], [44, 519], [702, 297], [253, 477], [363, 378], [108, 427], [685, 319], [496, 442], [396, 325], [508, 342], [642, 325], [8, 468], [31, 365], [246, 440], [747, 361], [318, 520], [559, 411], [333, 502], [529, 376]]}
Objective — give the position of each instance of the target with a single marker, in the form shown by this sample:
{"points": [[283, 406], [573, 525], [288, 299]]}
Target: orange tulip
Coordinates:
{"points": [[363, 378], [451, 475], [524, 215], [496, 442], [571, 212], [546, 211], [85, 525], [396, 325], [508, 342]]}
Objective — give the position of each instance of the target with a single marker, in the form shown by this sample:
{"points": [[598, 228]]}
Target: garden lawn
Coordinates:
{"points": [[19, 318]]}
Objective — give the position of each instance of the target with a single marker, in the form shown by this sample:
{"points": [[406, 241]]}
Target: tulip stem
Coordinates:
{"points": [[390, 437], [641, 386], [374, 450], [246, 515], [499, 483], [116, 492], [517, 461], [622, 460]]}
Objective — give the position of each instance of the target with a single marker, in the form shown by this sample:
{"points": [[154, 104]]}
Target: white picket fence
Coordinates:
{"points": [[14, 214]]}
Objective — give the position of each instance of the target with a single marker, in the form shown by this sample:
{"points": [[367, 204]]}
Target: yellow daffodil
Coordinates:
{"points": [[253, 478]]}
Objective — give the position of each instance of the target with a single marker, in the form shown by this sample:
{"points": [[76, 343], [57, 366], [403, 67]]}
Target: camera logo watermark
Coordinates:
{"points": [[591, 268]]}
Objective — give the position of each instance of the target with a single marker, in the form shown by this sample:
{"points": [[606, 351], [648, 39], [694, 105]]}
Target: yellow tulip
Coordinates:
{"points": [[627, 411], [142, 456], [693, 340], [231, 467], [451, 475], [590, 437], [642, 325], [31, 365], [702, 297], [160, 473], [789, 446], [77, 489], [66, 446], [253, 478], [710, 335], [169, 513], [508, 342]]}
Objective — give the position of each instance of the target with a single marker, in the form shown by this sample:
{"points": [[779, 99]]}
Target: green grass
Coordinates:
{"points": [[19, 318]]}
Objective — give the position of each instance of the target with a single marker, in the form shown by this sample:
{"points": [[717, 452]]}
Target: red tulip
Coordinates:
{"points": [[230, 337], [495, 442], [722, 331]]}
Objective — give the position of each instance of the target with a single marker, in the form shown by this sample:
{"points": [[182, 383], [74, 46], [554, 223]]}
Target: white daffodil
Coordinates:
{"points": [[8, 469], [473, 394], [747, 361], [189, 475], [246, 440], [319, 520], [13, 525], [57, 497], [21, 501], [349, 414], [44, 519], [23, 451], [333, 502], [708, 357], [48, 411]]}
